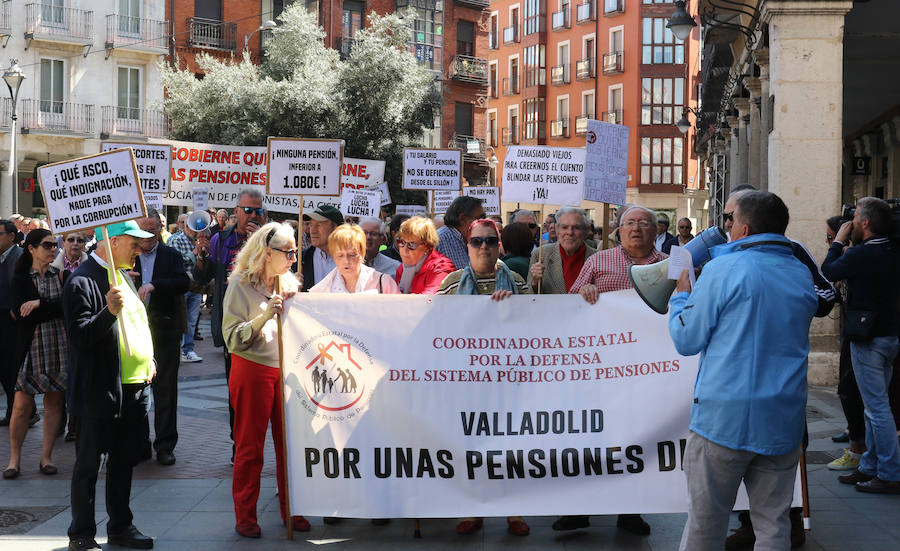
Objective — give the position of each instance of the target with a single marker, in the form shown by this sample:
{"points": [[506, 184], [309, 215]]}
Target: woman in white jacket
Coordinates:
{"points": [[347, 245]]}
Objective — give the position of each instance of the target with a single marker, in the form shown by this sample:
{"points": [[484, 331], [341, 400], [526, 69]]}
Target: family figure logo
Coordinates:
{"points": [[334, 379]]}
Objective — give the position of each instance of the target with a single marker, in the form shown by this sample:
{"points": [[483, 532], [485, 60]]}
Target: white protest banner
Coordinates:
{"points": [[432, 168], [225, 170], [440, 200], [91, 191], [535, 405], [154, 164], [300, 166], [543, 174], [312, 202], [489, 195], [361, 173], [411, 210], [153, 201], [360, 203], [385, 193], [606, 177], [200, 198]]}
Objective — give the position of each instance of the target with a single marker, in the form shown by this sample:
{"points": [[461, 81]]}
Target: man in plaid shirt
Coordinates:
{"points": [[186, 243], [453, 236]]}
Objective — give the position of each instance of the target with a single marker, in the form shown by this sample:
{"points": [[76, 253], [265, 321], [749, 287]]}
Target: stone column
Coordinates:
{"points": [[743, 107], [806, 55], [735, 176], [761, 57], [753, 85]]}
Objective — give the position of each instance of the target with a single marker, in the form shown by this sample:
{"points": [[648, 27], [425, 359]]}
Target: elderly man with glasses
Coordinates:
{"points": [[375, 238]]}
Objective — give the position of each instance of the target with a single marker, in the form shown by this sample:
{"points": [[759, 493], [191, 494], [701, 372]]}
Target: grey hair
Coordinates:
{"points": [[253, 193], [520, 212], [628, 208], [373, 220], [585, 219]]}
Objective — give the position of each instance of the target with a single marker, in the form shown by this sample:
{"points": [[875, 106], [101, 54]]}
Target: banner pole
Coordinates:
{"points": [[289, 521], [112, 283], [300, 243], [540, 246], [804, 491], [604, 228]]}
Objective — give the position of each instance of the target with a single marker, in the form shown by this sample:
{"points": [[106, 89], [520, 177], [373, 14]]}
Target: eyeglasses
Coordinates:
{"points": [[491, 241], [532, 225], [643, 224], [48, 245], [252, 210], [408, 244], [290, 253], [74, 240], [728, 216]]}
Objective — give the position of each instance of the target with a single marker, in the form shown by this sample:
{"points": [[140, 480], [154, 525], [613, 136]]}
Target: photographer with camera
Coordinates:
{"points": [[872, 323]]}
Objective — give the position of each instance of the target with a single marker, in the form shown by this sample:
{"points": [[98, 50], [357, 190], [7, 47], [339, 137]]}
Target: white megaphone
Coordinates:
{"points": [[651, 281], [199, 221]]}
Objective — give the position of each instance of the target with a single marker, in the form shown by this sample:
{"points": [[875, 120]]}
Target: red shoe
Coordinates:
{"points": [[248, 530], [469, 526], [300, 524], [518, 527]]}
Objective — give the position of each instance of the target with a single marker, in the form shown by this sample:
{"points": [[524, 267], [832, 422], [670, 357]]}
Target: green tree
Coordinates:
{"points": [[378, 101]]}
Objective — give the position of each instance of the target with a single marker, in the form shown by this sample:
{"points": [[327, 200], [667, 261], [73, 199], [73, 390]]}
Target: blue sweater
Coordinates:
{"points": [[748, 317]]}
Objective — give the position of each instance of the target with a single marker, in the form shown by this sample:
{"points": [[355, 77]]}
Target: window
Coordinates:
{"points": [[587, 104], [52, 86], [352, 19], [428, 31], [534, 16], [535, 65], [659, 44], [614, 115], [130, 16], [462, 118], [208, 9], [465, 38], [494, 33], [492, 128], [534, 118], [662, 161], [53, 12], [662, 100], [129, 93], [493, 83]]}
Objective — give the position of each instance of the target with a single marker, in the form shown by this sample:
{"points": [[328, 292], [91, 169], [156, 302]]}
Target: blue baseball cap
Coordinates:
{"points": [[122, 228]]}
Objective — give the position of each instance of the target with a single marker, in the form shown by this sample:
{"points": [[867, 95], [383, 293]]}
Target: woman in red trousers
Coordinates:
{"points": [[250, 331]]}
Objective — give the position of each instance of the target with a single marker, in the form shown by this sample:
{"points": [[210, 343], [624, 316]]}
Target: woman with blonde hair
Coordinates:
{"points": [[252, 300], [422, 268], [347, 246]]}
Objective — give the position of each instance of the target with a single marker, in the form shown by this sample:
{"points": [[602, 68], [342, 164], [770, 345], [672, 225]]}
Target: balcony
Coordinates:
{"points": [[511, 135], [465, 68], [477, 4], [133, 123], [58, 117], [210, 34], [511, 86], [584, 69], [585, 13], [472, 148], [511, 34], [345, 47], [613, 63], [614, 117], [613, 7], [5, 23], [5, 113], [136, 34], [58, 24], [559, 128], [581, 124], [559, 75], [560, 20]]}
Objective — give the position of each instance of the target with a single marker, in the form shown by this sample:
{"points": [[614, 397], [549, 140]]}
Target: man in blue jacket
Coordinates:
{"points": [[748, 317]]}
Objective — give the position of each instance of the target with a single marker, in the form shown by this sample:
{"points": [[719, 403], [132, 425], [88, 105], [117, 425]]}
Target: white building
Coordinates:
{"points": [[91, 73]]}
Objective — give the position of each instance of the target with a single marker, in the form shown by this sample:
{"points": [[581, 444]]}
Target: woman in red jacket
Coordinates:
{"points": [[422, 268]]}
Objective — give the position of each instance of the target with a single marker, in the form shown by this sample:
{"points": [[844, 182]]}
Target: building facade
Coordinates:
{"points": [[90, 72], [555, 64]]}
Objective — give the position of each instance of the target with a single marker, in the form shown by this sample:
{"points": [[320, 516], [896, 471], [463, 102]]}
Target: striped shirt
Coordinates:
{"points": [[452, 245], [486, 285]]}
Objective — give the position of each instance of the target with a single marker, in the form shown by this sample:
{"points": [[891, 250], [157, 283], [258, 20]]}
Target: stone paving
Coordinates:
{"points": [[188, 506]]}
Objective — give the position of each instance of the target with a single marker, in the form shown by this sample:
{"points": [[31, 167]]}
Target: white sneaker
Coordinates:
{"points": [[191, 357]]}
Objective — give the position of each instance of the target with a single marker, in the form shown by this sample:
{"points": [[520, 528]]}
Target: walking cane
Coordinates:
{"points": [[804, 491]]}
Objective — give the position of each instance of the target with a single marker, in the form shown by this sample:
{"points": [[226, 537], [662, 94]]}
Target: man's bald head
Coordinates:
{"points": [[728, 210]]}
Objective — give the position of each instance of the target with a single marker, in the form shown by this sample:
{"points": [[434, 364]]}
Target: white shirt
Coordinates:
{"points": [[322, 264], [660, 239]]}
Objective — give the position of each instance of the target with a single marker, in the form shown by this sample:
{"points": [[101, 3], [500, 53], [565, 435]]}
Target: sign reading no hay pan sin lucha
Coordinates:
{"points": [[154, 164], [489, 195], [432, 168], [92, 191], [300, 166], [360, 203]]}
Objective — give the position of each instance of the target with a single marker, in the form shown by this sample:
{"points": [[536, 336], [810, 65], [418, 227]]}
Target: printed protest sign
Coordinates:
{"points": [[201, 198], [385, 193], [361, 173], [432, 168], [489, 195], [543, 174], [360, 203], [411, 210], [153, 201], [312, 202], [91, 191], [606, 177], [299, 166], [154, 164], [440, 200]]}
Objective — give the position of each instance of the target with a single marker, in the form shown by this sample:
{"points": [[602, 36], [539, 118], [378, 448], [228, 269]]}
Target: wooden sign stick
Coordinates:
{"points": [[540, 248], [112, 283], [289, 521]]}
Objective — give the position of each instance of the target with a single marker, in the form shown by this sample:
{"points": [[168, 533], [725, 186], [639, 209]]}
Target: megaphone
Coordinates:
{"points": [[199, 221], [651, 281]]}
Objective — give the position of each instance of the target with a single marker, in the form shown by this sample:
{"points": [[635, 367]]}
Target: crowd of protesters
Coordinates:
{"points": [[58, 320]]}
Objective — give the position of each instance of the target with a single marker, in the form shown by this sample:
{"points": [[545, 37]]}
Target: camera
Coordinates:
{"points": [[848, 211]]}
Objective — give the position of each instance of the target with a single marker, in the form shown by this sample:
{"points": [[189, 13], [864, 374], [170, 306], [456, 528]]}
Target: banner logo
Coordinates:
{"points": [[334, 380]]}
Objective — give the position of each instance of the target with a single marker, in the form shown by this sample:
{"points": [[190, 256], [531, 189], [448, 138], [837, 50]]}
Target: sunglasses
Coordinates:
{"points": [[408, 244], [251, 210], [48, 245], [290, 253], [728, 216], [532, 225], [74, 240], [491, 241]]}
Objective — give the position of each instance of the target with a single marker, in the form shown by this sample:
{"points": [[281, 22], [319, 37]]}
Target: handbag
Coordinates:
{"points": [[858, 324]]}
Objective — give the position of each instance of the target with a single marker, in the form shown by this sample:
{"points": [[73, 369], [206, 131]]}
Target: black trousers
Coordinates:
{"points": [[9, 371], [167, 352], [120, 438], [851, 400]]}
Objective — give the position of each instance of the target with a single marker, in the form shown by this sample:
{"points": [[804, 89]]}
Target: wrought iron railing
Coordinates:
{"points": [[560, 19], [510, 135], [124, 31], [614, 116], [560, 74], [466, 68], [58, 116], [585, 12], [613, 7], [511, 86], [511, 34], [581, 123], [211, 34], [559, 128], [128, 121], [613, 63], [472, 148], [584, 69], [58, 23]]}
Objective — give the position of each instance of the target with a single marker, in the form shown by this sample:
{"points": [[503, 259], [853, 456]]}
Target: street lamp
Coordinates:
{"points": [[683, 123], [681, 23], [268, 25], [13, 77]]}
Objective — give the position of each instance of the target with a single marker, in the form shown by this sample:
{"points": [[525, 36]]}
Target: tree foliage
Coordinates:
{"points": [[378, 100]]}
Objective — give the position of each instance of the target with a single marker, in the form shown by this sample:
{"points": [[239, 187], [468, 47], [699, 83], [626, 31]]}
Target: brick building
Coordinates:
{"points": [[554, 64]]}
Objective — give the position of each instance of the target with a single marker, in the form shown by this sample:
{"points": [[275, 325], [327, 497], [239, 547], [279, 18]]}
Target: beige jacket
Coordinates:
{"points": [[554, 283], [243, 303]]}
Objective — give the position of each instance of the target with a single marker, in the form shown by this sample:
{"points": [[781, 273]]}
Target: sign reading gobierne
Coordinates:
{"points": [[528, 406], [92, 191]]}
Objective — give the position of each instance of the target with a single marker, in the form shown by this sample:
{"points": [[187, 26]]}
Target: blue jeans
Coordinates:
{"points": [[193, 301], [872, 365]]}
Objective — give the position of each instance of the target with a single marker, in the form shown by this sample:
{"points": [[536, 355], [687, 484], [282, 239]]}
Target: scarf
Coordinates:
{"points": [[503, 280]]}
